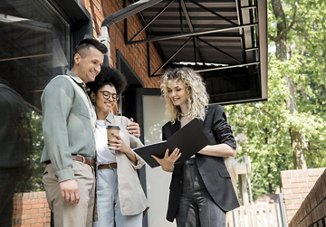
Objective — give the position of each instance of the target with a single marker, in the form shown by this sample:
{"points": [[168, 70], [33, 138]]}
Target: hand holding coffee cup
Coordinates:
{"points": [[112, 132]]}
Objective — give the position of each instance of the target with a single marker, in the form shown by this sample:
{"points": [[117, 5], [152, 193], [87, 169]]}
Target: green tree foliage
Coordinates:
{"points": [[34, 168], [35, 183], [270, 126]]}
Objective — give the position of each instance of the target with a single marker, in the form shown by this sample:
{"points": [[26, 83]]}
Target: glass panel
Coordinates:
{"points": [[157, 190], [34, 46]]}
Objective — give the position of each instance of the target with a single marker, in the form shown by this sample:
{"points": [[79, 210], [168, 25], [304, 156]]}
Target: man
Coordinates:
{"points": [[68, 128], [15, 149]]}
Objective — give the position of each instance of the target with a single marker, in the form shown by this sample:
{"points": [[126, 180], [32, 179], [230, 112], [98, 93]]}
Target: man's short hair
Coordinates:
{"points": [[87, 43]]}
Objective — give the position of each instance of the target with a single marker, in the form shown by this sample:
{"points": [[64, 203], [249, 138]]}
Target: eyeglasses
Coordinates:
{"points": [[108, 95]]}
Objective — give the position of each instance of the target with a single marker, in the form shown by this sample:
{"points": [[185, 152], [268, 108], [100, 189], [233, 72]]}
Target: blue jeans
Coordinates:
{"points": [[108, 204], [197, 208]]}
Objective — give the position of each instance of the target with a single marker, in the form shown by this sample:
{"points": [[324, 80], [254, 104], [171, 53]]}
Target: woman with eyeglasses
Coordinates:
{"points": [[120, 197]]}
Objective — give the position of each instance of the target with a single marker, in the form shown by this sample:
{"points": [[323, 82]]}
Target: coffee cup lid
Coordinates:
{"points": [[113, 127]]}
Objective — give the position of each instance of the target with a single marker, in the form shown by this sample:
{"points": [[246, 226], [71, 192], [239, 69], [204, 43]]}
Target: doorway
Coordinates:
{"points": [[150, 111]]}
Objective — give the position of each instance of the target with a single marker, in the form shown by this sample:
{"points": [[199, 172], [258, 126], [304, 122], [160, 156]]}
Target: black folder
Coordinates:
{"points": [[189, 139]]}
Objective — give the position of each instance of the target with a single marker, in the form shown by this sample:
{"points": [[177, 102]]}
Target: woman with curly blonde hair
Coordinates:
{"points": [[201, 190], [195, 90]]}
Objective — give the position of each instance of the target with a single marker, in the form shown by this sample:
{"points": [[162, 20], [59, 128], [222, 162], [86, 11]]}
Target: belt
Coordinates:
{"points": [[113, 165], [87, 160]]}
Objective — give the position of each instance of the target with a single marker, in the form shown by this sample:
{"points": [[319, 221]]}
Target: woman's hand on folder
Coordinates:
{"points": [[167, 162]]}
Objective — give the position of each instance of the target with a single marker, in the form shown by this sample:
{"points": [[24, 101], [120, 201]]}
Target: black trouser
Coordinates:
{"points": [[197, 208]]}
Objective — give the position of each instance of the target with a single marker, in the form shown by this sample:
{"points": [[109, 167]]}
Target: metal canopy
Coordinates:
{"points": [[224, 40]]}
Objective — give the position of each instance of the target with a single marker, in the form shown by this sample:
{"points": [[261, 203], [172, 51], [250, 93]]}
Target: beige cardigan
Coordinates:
{"points": [[131, 195]]}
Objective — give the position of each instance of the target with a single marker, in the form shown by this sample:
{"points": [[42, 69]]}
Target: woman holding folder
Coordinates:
{"points": [[201, 190], [121, 200]]}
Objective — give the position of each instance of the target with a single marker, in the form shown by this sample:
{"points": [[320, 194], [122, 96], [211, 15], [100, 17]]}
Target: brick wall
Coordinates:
{"points": [[135, 54], [312, 211], [296, 184], [31, 210]]}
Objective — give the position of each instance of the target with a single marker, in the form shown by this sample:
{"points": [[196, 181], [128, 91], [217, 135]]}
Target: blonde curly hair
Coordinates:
{"points": [[195, 88]]}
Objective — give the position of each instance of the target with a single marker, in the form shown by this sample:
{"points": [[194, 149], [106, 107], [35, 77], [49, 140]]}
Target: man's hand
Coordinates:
{"points": [[167, 163], [70, 191], [133, 128]]}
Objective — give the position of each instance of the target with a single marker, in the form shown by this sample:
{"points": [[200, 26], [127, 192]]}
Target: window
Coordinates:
{"points": [[36, 40], [35, 45]]}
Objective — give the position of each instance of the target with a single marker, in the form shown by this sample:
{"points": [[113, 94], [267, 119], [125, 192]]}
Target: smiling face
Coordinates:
{"points": [[88, 64], [105, 100], [177, 92]]}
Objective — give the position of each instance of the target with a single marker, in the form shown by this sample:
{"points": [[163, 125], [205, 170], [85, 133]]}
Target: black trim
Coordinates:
{"points": [[74, 10], [123, 65], [78, 17]]}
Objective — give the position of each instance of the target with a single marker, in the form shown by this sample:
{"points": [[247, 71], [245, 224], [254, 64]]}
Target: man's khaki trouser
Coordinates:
{"points": [[66, 214]]}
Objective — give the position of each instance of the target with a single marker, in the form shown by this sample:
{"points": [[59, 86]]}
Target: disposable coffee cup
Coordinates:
{"points": [[112, 131]]}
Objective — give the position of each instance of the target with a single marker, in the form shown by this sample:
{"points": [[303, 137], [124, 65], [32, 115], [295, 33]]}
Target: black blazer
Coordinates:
{"points": [[212, 169]]}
